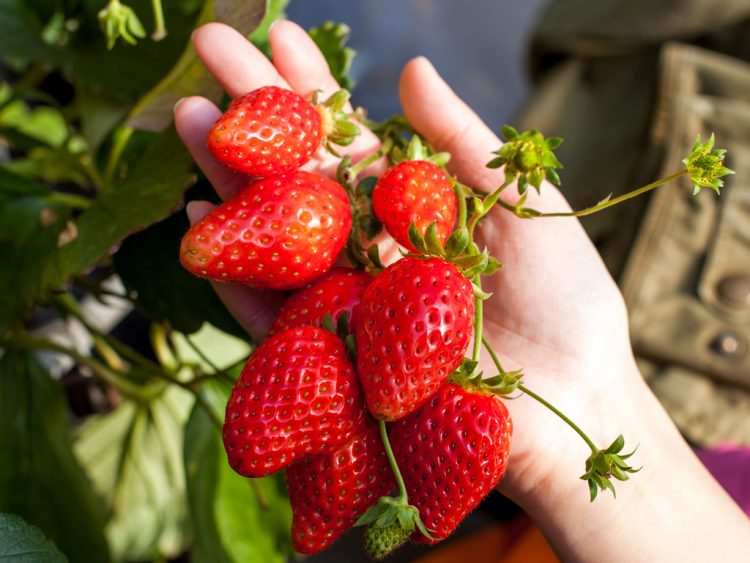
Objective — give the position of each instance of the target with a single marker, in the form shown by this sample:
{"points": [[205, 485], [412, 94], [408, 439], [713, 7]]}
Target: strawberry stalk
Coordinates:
{"points": [[391, 520], [602, 464]]}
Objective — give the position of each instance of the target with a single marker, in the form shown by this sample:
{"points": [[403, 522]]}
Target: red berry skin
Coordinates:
{"points": [[452, 452], [296, 396], [329, 492], [267, 132], [414, 191], [414, 324], [338, 291], [278, 233]]}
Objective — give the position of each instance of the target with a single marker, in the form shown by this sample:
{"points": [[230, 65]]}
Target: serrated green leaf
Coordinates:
{"points": [[21, 542], [331, 39], [134, 457], [151, 191], [40, 478], [229, 523]]}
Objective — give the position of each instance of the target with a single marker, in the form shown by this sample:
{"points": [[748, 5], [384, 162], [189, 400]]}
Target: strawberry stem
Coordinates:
{"points": [[478, 321], [161, 30], [403, 495], [362, 165], [539, 399]]}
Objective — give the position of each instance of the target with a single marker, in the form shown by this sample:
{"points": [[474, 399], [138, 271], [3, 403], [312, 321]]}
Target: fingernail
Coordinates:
{"points": [[274, 24], [177, 104]]}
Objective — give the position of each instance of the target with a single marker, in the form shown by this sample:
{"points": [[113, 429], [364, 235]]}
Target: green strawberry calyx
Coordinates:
{"points": [[528, 157], [338, 128], [705, 165], [391, 520], [603, 465]]}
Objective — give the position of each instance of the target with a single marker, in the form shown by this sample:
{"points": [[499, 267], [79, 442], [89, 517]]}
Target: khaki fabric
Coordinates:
{"points": [[630, 101]]}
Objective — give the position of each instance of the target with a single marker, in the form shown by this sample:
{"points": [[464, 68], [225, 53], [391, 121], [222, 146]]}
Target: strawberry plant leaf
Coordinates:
{"points": [[134, 458], [331, 39], [152, 190], [189, 76], [31, 220], [40, 479], [228, 517], [21, 542]]}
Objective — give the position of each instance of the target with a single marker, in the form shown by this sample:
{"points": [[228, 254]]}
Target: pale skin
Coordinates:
{"points": [[555, 312]]}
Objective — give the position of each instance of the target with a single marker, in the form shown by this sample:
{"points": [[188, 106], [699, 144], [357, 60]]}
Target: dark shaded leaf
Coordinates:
{"points": [[22, 543], [189, 76], [151, 191], [30, 222], [148, 263], [40, 479]]}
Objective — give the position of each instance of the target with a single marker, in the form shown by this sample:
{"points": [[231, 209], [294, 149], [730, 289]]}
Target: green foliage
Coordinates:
{"points": [[331, 38], [527, 157], [234, 519], [133, 456], [23, 543], [40, 479], [96, 185]]}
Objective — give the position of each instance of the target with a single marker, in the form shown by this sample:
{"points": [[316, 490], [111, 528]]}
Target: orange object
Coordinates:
{"points": [[518, 541]]}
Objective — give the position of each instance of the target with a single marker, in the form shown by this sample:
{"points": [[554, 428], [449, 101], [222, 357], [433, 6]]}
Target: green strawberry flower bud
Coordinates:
{"points": [[705, 165], [527, 157], [118, 20]]}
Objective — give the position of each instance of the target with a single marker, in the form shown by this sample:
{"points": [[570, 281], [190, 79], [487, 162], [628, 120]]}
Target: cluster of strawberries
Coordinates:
{"points": [[349, 351]]}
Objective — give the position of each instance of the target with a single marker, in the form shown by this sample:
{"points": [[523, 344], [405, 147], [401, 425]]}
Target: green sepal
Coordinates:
{"points": [[479, 293], [366, 185], [416, 239], [493, 265], [120, 21], [705, 165], [328, 324], [502, 384], [337, 127], [603, 465], [373, 253], [528, 158], [390, 522], [432, 241], [456, 243]]}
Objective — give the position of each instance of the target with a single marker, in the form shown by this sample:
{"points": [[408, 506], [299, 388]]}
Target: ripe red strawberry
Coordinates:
{"points": [[451, 452], [414, 325], [336, 292], [328, 492], [266, 132], [414, 191], [296, 396], [278, 233]]}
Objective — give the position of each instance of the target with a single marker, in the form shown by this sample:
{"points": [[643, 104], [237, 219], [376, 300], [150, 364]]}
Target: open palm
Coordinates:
{"points": [[555, 311]]}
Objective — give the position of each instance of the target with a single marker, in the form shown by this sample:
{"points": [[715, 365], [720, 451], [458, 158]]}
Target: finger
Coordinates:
{"points": [[254, 309], [235, 62], [450, 125], [299, 60], [194, 117], [304, 67]]}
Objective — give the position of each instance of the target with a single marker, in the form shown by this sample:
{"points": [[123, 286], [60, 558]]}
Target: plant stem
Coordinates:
{"points": [[117, 380], [478, 321], [541, 400], [358, 168], [262, 498], [619, 199], [403, 496], [161, 31], [119, 143], [458, 188], [72, 200]]}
